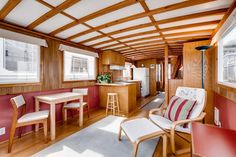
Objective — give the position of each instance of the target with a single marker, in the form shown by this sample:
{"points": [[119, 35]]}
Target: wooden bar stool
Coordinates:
{"points": [[112, 103]]}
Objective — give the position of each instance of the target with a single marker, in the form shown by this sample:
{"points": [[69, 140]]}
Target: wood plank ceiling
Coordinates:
{"points": [[138, 29]]}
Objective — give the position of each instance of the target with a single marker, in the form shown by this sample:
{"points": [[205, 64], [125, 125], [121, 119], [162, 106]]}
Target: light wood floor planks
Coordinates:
{"points": [[33, 142]]}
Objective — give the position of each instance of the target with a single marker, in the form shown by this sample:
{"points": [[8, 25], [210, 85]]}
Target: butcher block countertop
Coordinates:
{"points": [[114, 84]]}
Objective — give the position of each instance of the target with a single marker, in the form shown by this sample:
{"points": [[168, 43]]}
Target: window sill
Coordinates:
{"points": [[21, 84], [229, 86]]}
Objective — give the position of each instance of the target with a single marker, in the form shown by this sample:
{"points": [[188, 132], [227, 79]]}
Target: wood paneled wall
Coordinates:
{"points": [[173, 85], [51, 73], [192, 72], [152, 74]]}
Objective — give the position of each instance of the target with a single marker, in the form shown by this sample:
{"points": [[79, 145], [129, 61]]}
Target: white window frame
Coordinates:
{"points": [[93, 77], [220, 59], [26, 80]]}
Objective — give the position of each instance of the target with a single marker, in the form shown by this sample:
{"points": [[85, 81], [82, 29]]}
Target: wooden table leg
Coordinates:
{"points": [[164, 147], [81, 112], [52, 121], [36, 109]]}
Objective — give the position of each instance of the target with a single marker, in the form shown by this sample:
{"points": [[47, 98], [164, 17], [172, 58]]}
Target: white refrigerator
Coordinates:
{"points": [[142, 74]]}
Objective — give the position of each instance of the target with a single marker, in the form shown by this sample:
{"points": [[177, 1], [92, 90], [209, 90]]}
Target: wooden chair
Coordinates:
{"points": [[175, 127], [25, 119], [76, 105]]}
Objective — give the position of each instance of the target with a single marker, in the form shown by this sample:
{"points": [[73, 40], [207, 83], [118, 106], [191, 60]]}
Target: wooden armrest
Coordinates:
{"points": [[199, 118], [159, 110]]}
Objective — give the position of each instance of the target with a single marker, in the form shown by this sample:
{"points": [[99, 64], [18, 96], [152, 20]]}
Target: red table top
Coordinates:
{"points": [[210, 141]]}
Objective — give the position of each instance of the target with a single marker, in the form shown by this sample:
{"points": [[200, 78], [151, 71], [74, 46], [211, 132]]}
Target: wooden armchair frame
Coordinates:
{"points": [[172, 131]]}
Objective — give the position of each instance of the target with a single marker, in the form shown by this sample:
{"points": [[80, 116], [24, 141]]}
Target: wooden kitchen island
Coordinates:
{"points": [[126, 93]]}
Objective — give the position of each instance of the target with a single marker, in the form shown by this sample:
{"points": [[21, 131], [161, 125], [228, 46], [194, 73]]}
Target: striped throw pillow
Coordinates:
{"points": [[179, 108]]}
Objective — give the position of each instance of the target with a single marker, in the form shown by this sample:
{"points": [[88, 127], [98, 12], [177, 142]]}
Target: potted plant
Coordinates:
{"points": [[104, 78]]}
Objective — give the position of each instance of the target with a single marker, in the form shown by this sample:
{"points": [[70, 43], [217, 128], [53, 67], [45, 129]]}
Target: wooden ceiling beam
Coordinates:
{"points": [[141, 15], [175, 19], [69, 16], [190, 25], [145, 7], [227, 14], [124, 37], [165, 35], [39, 34], [51, 13], [146, 46], [95, 15], [9, 6]]}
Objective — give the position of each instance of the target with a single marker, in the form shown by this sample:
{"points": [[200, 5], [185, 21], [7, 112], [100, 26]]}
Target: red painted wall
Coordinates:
{"points": [[227, 111], [6, 110]]}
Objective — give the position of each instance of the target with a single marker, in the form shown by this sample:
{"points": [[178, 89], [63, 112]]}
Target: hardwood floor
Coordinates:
{"points": [[33, 142]]}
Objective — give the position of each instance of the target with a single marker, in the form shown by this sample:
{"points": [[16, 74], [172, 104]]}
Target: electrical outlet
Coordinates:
{"points": [[217, 116], [2, 131]]}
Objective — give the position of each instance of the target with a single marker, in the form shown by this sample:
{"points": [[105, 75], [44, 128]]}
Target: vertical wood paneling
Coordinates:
{"points": [[166, 75], [193, 71]]}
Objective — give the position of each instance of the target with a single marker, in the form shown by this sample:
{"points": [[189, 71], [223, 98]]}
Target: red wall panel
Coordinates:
{"points": [[6, 110], [227, 111]]}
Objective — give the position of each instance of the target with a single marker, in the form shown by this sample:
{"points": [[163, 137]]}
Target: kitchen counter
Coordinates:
{"points": [[126, 95], [114, 84]]}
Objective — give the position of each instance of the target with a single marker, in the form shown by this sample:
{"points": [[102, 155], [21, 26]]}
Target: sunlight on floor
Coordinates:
{"points": [[66, 151], [113, 126]]}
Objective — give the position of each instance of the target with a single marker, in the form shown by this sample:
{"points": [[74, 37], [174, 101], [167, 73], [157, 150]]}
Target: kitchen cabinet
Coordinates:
{"points": [[113, 58]]}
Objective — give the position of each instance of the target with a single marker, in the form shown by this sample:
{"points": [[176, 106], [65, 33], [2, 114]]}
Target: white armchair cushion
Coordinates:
{"points": [[74, 105], [194, 94], [33, 116], [139, 127], [166, 123]]}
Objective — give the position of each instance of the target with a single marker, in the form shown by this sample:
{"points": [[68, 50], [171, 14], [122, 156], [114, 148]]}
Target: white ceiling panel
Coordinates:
{"points": [[97, 41], [153, 4], [86, 36], [122, 49], [115, 15], [53, 23], [189, 35], [113, 47], [194, 9], [213, 26], [147, 44], [21, 15], [134, 31], [72, 31], [107, 44], [2, 3], [192, 21], [126, 24], [136, 42], [54, 3], [141, 36], [86, 7]]}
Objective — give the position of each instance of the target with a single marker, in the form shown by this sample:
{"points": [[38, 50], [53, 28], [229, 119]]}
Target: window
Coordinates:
{"points": [[127, 71], [227, 58], [19, 62], [78, 67], [169, 71], [158, 72]]}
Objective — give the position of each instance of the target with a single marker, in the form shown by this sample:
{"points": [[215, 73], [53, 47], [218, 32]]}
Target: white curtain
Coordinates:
{"points": [[23, 38], [77, 50]]}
